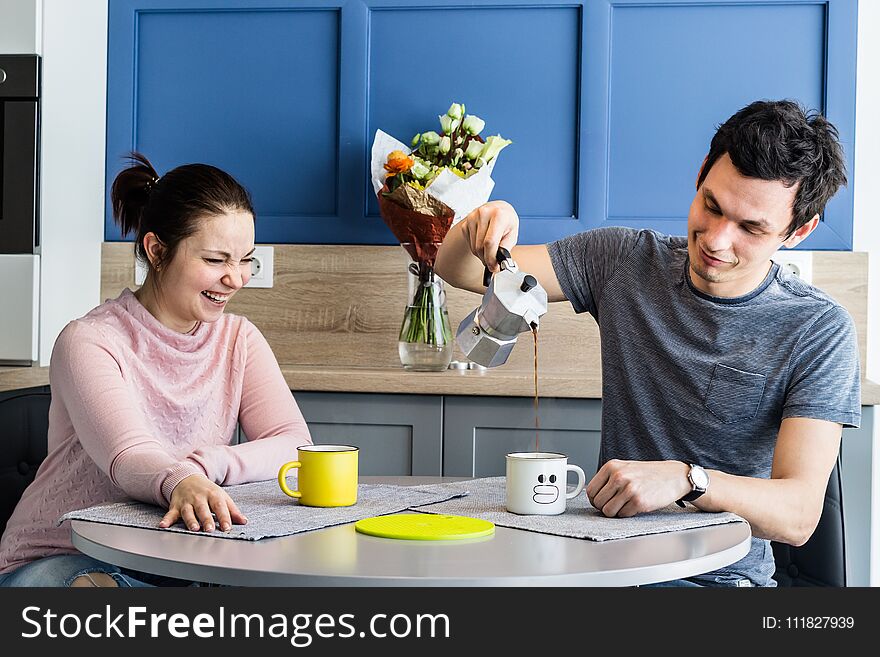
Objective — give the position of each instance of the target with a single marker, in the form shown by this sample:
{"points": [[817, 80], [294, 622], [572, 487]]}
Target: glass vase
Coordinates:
{"points": [[425, 342]]}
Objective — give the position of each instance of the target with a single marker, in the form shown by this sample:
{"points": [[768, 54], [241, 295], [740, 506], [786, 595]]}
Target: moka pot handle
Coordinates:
{"points": [[502, 255]]}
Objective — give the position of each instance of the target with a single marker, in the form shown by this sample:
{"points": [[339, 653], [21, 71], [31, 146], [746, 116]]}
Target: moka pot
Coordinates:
{"points": [[513, 303]]}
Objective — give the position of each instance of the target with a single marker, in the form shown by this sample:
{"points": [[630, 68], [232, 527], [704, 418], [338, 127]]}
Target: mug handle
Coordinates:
{"points": [[282, 478], [582, 480]]}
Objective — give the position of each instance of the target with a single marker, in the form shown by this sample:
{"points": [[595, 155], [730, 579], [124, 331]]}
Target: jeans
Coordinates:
{"points": [[704, 580], [62, 569]]}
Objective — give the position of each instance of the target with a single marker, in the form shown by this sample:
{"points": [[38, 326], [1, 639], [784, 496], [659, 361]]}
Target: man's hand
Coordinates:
{"points": [[625, 488], [193, 500], [491, 225]]}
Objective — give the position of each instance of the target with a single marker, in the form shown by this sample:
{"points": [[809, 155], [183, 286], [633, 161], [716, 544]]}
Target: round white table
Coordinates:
{"points": [[340, 556]]}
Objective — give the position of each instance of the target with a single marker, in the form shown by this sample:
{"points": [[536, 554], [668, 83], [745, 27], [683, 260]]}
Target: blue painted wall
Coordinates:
{"points": [[611, 104]]}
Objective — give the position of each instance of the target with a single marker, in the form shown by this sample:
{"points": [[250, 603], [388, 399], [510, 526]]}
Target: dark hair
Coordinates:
{"points": [[779, 140], [171, 206]]}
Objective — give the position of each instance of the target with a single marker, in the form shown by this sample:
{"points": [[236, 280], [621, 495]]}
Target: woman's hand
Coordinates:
{"points": [[194, 499], [491, 225]]}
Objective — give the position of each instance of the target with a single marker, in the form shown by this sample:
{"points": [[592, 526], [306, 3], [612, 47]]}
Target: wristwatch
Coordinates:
{"points": [[699, 479]]}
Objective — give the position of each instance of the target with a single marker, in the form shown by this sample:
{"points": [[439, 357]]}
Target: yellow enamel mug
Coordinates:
{"points": [[328, 475]]}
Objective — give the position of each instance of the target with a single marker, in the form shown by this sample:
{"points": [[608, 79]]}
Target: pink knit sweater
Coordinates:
{"points": [[136, 407]]}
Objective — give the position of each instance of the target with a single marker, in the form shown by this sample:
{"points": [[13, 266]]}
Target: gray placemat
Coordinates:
{"points": [[580, 520], [272, 513]]}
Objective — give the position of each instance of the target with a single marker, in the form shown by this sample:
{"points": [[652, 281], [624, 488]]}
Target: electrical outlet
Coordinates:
{"points": [[140, 271], [261, 268], [799, 263]]}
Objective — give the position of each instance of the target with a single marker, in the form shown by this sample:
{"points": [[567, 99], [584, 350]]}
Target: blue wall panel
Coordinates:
{"points": [[673, 80], [231, 88], [516, 68], [611, 104], [678, 70], [213, 89]]}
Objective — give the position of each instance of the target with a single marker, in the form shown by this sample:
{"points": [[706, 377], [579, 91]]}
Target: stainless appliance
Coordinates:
{"points": [[514, 303], [19, 208]]}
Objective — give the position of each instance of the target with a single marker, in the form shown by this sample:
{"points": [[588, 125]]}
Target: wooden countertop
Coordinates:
{"points": [[501, 382], [14, 378]]}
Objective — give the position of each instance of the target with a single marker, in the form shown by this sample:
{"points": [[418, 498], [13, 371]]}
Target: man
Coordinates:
{"points": [[726, 381]]}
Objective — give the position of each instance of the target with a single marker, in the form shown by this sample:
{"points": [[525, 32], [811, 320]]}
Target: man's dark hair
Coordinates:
{"points": [[779, 140]]}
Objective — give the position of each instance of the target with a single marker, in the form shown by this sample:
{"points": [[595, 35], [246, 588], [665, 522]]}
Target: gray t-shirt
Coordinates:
{"points": [[704, 379]]}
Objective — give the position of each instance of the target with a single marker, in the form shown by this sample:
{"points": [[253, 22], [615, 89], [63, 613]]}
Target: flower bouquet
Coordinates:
{"points": [[422, 190]]}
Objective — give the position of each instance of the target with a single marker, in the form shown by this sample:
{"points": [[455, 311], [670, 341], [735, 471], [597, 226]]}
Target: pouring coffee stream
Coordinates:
{"points": [[513, 303], [537, 423]]}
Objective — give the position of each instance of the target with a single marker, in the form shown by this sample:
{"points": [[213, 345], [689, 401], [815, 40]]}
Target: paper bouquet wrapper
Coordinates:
{"points": [[420, 233], [459, 194]]}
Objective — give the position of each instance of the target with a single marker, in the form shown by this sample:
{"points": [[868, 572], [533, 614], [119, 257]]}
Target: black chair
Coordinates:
{"points": [[24, 430], [821, 561]]}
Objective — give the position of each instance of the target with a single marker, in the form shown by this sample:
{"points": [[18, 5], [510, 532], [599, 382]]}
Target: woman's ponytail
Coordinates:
{"points": [[131, 192]]}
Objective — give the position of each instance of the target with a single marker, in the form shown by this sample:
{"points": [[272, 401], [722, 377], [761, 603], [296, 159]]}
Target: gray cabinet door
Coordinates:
{"points": [[857, 455], [396, 434], [479, 431]]}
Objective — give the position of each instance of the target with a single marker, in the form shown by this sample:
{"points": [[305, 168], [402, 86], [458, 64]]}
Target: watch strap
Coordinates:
{"points": [[694, 494]]}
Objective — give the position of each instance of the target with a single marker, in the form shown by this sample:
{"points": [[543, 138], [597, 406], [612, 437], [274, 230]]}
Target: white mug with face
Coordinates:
{"points": [[537, 483]]}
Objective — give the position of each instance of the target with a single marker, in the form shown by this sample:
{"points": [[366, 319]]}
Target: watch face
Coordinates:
{"points": [[699, 477]]}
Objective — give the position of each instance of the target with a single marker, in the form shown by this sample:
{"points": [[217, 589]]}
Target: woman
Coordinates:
{"points": [[147, 388]]}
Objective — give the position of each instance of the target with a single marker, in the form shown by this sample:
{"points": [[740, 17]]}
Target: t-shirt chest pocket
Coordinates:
{"points": [[733, 394]]}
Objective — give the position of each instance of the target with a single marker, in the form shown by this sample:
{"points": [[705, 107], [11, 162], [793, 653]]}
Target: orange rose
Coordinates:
{"points": [[398, 162]]}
